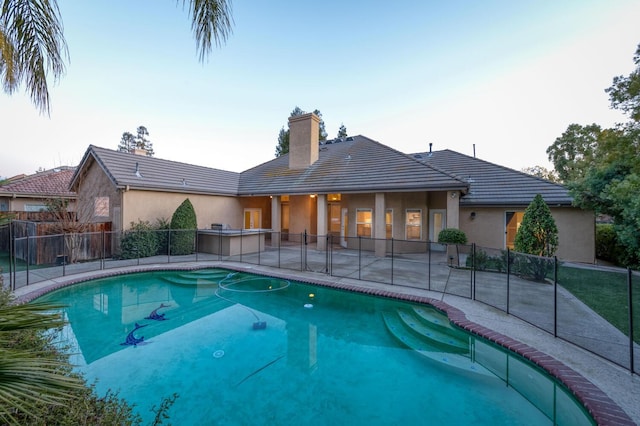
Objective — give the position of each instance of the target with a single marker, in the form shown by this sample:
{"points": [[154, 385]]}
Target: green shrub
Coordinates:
{"points": [[162, 227], [452, 236], [139, 241], [183, 229], [481, 261], [607, 246]]}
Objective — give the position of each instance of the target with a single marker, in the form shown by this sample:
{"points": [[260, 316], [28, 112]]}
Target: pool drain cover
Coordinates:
{"points": [[218, 354]]}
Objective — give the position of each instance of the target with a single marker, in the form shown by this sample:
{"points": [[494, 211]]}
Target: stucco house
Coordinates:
{"points": [[30, 193], [344, 187]]}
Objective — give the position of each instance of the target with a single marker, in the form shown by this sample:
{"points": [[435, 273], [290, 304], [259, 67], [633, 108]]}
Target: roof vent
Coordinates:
{"points": [[350, 139], [138, 170], [184, 182], [418, 156]]}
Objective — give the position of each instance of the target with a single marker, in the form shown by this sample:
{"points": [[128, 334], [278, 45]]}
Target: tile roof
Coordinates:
{"points": [[357, 164], [50, 183], [158, 174], [492, 184]]}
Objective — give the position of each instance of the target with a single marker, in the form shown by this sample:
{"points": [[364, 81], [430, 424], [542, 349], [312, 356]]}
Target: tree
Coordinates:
{"points": [[183, 227], [538, 233], [601, 167], [283, 137], [572, 154], [32, 43], [538, 236], [342, 132], [129, 142], [541, 172], [624, 94], [283, 142]]}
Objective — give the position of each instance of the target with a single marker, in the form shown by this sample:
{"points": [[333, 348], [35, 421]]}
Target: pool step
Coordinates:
{"points": [[434, 345], [434, 318], [190, 280], [205, 274], [436, 335]]}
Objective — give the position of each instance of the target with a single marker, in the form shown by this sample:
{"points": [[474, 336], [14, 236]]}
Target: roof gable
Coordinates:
{"points": [[357, 164], [492, 184], [155, 174]]}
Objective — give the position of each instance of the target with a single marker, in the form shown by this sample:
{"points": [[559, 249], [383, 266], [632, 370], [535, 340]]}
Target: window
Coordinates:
{"points": [[388, 223], [101, 207], [35, 208], [363, 222], [413, 224]]}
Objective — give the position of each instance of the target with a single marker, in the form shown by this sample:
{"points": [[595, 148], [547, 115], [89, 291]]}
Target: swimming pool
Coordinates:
{"points": [[247, 349]]}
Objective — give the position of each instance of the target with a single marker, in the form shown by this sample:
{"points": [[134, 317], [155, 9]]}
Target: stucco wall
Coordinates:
{"points": [[96, 184], [152, 205], [576, 230]]}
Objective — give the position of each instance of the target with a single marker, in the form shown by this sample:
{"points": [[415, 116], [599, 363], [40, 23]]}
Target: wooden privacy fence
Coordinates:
{"points": [[37, 243]]}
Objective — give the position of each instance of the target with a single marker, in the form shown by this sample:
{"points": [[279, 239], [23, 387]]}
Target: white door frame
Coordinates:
{"points": [[433, 233], [344, 227]]}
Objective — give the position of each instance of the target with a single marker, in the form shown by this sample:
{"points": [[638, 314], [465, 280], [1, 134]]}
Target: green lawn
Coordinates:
{"points": [[606, 293]]}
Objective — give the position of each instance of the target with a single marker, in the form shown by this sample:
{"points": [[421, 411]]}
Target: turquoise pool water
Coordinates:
{"points": [[245, 349]]}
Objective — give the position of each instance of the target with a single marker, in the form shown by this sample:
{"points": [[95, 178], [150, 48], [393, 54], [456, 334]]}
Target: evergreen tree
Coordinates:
{"points": [[283, 137], [183, 229], [342, 131], [538, 233]]}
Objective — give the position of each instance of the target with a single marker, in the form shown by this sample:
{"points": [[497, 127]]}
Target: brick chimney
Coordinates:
{"points": [[303, 140]]}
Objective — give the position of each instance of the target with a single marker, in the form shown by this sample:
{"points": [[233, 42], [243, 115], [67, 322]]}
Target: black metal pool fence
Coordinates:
{"points": [[551, 294]]}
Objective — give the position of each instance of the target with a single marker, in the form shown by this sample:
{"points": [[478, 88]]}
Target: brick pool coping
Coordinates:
{"points": [[602, 408]]}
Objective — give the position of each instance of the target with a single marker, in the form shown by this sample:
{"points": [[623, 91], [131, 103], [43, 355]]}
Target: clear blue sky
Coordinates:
{"points": [[508, 76]]}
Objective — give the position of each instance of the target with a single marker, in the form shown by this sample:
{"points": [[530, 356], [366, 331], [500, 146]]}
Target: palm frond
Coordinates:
{"points": [[210, 20], [33, 36]]}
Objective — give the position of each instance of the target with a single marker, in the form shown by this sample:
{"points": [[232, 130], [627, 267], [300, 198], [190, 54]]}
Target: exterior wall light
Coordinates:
{"points": [[473, 215]]}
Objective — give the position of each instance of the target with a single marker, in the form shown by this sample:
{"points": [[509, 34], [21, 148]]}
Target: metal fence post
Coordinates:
{"points": [[429, 265], [631, 342], [508, 276], [555, 296], [359, 257], [27, 257], [240, 245], [473, 271], [391, 260], [102, 251], [303, 241], [168, 245], [12, 245], [326, 254], [330, 261]]}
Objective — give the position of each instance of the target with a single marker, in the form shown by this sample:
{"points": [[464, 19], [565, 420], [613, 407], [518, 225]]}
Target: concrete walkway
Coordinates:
{"points": [[616, 383]]}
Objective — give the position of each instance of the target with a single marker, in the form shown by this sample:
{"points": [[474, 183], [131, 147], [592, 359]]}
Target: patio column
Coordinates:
{"points": [[379, 228], [276, 220], [321, 223], [453, 209]]}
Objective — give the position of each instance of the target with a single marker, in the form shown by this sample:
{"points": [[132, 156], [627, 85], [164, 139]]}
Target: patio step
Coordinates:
{"points": [[430, 348]]}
